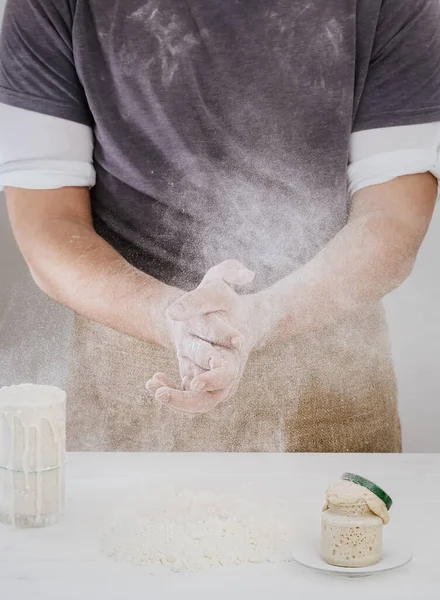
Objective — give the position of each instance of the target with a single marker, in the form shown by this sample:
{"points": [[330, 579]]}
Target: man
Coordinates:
{"points": [[176, 173]]}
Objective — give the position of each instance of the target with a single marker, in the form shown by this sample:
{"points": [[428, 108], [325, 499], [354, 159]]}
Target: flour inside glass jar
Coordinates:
{"points": [[352, 526]]}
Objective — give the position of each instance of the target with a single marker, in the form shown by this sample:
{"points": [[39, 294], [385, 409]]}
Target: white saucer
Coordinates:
{"points": [[396, 555]]}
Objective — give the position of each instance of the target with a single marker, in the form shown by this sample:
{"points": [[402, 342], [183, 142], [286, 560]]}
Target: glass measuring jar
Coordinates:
{"points": [[32, 455]]}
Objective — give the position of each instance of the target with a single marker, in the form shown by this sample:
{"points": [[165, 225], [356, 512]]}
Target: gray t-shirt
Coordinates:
{"points": [[222, 128]]}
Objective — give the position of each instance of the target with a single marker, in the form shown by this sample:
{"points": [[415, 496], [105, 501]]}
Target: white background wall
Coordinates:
{"points": [[414, 317], [34, 334]]}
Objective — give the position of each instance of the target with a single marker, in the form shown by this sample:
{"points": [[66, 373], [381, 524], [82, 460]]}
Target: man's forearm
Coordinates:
{"points": [[80, 270], [77, 268], [355, 269], [369, 258]]}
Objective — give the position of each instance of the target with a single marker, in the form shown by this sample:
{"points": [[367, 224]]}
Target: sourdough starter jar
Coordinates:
{"points": [[352, 522]]}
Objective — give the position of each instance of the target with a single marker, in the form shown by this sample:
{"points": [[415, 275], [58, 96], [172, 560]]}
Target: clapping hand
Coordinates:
{"points": [[214, 329]]}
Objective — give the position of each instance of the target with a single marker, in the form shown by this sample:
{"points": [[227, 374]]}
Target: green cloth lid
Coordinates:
{"points": [[377, 491]]}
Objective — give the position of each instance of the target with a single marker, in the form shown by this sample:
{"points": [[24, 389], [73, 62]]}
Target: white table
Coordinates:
{"points": [[63, 562]]}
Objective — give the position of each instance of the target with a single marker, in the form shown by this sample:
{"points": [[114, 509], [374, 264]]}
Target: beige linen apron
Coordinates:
{"points": [[331, 391]]}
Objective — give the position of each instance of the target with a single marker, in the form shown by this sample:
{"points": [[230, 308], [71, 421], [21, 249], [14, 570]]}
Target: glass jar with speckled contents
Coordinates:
{"points": [[352, 523], [351, 536]]}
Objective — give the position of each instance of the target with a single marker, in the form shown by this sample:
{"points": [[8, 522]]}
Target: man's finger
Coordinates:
{"points": [[167, 381], [215, 330], [186, 383], [232, 272], [186, 367], [199, 352], [215, 380], [210, 298], [191, 402], [159, 380], [153, 385], [187, 373]]}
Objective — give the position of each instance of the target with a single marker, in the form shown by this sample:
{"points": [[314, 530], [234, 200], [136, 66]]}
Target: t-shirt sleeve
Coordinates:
{"points": [[37, 63], [402, 86]]}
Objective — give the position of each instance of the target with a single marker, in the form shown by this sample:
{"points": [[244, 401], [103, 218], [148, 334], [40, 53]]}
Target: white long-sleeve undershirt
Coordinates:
{"points": [[38, 151]]}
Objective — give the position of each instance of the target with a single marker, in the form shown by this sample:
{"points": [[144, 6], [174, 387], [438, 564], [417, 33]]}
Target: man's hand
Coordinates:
{"points": [[367, 259], [215, 330]]}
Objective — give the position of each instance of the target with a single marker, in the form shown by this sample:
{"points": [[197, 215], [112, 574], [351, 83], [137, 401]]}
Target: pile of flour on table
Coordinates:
{"points": [[194, 530]]}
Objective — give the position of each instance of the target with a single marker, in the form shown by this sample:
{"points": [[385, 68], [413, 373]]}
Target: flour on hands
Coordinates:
{"points": [[214, 329]]}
